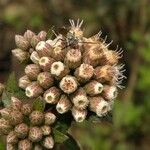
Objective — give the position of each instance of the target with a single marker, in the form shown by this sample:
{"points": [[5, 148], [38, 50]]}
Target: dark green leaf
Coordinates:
{"points": [[11, 85], [71, 144], [6, 98], [59, 137]]}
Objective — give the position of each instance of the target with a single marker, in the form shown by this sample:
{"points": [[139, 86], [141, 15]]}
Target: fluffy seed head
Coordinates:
{"points": [[16, 104], [68, 84], [35, 134], [58, 53], [37, 147], [11, 146]]}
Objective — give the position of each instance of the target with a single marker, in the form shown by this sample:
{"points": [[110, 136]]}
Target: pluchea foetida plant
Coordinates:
{"points": [[26, 128], [73, 72]]}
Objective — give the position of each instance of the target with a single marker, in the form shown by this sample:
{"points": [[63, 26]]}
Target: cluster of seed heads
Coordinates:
{"points": [[71, 71], [25, 128]]}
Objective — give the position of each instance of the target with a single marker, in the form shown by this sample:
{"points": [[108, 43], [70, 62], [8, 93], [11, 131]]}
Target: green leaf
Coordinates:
{"points": [[59, 137], [71, 144], [39, 104], [11, 85], [6, 98]]}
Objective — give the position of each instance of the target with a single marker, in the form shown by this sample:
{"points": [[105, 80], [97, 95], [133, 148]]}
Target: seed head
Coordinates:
{"points": [[24, 81]]}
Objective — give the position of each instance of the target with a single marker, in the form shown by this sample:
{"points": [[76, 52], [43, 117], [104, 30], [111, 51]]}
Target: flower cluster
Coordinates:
{"points": [[71, 71], [25, 128]]}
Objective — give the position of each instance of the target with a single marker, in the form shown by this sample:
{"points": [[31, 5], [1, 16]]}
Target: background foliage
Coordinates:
{"points": [[127, 23]]}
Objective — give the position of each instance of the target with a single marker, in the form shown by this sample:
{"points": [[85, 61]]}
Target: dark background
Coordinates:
{"points": [[127, 22]]}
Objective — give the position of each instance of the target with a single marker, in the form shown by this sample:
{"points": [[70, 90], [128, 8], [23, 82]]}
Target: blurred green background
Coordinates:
{"points": [[127, 22]]}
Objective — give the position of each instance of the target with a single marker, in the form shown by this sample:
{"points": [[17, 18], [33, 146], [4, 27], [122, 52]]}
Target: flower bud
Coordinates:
{"points": [[35, 134], [93, 88], [21, 42], [42, 35], [73, 58], [58, 53], [2, 87], [45, 80], [45, 63], [84, 73], [68, 84], [98, 105], [79, 99], [16, 117], [24, 81], [35, 58], [36, 118], [20, 54], [52, 95], [109, 58], [32, 71], [59, 70], [49, 118], [63, 104], [93, 55], [109, 92], [12, 138], [28, 35], [21, 130], [43, 49], [79, 115], [34, 41], [48, 142], [11, 146], [26, 109], [33, 90], [16, 104], [46, 130], [5, 113], [25, 145], [104, 73], [5, 126]]}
